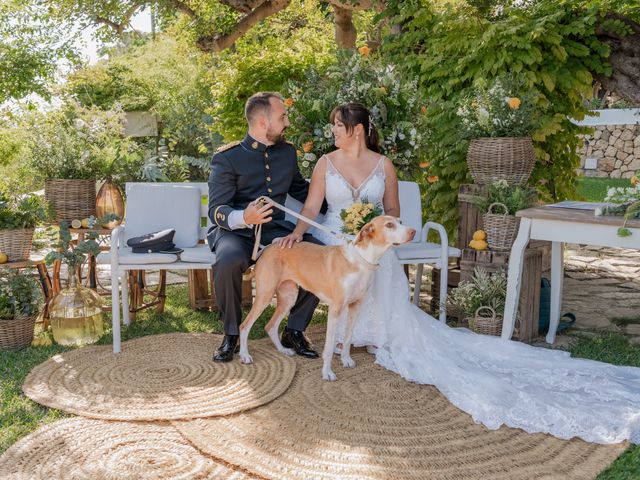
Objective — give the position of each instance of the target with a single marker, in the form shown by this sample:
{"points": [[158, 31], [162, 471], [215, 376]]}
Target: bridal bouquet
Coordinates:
{"points": [[358, 215]]}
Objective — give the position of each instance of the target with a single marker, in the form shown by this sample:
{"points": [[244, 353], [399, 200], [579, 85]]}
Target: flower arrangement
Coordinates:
{"points": [[482, 290], [626, 202], [499, 109], [20, 295], [396, 109], [358, 215], [513, 197]]}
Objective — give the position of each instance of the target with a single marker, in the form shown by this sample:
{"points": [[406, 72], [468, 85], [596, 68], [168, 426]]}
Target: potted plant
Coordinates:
{"points": [[72, 148], [19, 215], [76, 311], [498, 208], [624, 201], [484, 291], [20, 303], [499, 118]]}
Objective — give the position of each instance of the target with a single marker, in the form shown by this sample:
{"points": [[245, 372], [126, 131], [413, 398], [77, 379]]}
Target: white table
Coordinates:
{"points": [[559, 226]]}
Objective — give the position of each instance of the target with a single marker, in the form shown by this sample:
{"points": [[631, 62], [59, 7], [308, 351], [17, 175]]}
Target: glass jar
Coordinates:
{"points": [[76, 314]]}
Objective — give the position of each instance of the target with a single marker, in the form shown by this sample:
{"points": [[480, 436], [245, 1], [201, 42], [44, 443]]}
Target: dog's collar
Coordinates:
{"points": [[371, 265]]}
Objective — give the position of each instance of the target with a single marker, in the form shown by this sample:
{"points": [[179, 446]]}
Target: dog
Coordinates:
{"points": [[338, 275]]}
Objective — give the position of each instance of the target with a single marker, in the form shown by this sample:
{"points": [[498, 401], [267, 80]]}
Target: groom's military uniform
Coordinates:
{"points": [[240, 173]]}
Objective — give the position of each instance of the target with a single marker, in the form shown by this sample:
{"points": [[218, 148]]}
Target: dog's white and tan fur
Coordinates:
{"points": [[338, 275]]}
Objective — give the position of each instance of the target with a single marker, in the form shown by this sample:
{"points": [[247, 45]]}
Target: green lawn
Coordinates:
{"points": [[595, 189], [20, 416]]}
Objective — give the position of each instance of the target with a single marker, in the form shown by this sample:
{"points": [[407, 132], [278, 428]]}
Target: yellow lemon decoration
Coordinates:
{"points": [[478, 244], [85, 223], [3, 258], [76, 223], [479, 235]]}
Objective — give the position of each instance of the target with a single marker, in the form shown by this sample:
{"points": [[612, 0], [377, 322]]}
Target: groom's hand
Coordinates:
{"points": [[257, 213]]}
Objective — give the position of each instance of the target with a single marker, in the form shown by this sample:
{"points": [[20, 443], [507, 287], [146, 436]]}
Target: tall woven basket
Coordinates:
{"points": [[486, 325], [16, 243], [71, 199], [501, 158], [501, 229], [17, 333]]}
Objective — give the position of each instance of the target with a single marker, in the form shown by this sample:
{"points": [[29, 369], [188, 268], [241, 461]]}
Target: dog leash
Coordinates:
{"points": [[257, 250]]}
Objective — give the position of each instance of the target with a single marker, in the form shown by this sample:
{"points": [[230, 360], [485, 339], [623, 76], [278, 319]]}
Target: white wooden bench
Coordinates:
{"points": [[184, 207]]}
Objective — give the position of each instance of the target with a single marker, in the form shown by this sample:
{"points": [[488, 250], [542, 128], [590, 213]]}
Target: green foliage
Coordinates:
{"points": [[552, 45], [75, 255], [30, 49], [78, 142], [501, 109], [513, 197], [483, 290], [363, 78], [20, 295], [21, 211], [266, 59]]}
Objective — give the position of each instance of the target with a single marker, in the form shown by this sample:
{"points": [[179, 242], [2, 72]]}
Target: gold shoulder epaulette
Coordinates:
{"points": [[228, 146], [290, 143]]}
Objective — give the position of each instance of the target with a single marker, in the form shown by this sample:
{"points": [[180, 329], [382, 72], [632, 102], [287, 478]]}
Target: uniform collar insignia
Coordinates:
{"points": [[253, 145]]}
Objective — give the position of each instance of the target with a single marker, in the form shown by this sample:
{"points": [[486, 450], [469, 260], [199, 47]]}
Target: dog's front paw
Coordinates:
{"points": [[348, 362], [329, 376], [245, 358], [289, 352]]}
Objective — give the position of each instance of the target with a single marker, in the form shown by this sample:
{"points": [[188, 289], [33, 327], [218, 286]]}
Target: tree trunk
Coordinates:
{"points": [[624, 59], [345, 30]]}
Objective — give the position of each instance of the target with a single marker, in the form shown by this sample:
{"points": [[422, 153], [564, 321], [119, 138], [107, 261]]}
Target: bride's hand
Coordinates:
{"points": [[288, 241]]}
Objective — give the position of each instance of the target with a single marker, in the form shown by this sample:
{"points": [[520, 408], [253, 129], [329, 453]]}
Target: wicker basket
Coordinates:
{"points": [[486, 325], [71, 199], [16, 243], [501, 229], [17, 333], [502, 158]]}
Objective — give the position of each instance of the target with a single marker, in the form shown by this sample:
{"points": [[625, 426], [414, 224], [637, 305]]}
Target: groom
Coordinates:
{"points": [[261, 164]]}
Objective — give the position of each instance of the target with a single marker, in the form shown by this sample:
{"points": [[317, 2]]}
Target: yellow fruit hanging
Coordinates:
{"points": [[479, 235], [76, 223], [85, 223], [478, 244]]}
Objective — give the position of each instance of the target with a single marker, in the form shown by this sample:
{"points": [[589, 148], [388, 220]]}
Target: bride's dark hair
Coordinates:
{"points": [[351, 114]]}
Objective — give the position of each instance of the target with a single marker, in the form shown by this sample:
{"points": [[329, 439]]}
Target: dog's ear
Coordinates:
{"points": [[365, 232]]}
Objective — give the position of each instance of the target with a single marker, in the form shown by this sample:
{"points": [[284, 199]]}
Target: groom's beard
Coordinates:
{"points": [[276, 138]]}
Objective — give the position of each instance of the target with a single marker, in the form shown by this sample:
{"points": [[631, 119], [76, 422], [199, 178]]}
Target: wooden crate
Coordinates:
{"points": [[470, 218], [453, 279], [529, 306], [202, 295]]}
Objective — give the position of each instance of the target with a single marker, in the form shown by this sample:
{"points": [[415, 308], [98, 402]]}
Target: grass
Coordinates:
{"points": [[20, 416], [595, 189]]}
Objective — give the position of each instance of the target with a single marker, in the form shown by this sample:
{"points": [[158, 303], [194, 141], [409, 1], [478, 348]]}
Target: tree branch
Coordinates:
{"points": [[217, 43], [357, 5], [244, 6], [119, 27], [184, 8]]}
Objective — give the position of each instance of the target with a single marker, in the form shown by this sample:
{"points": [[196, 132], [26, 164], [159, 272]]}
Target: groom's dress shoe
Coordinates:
{"points": [[295, 339], [226, 350]]}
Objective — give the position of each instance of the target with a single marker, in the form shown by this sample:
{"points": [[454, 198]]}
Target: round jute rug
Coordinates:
{"points": [[78, 448], [371, 424], [159, 377]]}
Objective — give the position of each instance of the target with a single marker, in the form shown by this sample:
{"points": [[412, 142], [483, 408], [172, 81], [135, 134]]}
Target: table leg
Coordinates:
{"points": [[557, 276], [514, 278], [47, 289]]}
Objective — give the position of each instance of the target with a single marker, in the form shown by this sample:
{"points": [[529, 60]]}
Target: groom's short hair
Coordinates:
{"points": [[259, 103]]}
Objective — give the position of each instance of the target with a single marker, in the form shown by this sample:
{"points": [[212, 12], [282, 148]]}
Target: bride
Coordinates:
{"points": [[495, 381]]}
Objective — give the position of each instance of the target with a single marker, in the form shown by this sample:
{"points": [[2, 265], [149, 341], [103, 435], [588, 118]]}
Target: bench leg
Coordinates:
{"points": [[125, 298], [115, 311], [162, 291], [417, 284]]}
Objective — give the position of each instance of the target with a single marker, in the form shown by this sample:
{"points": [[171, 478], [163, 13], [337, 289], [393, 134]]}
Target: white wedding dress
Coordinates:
{"points": [[495, 381]]}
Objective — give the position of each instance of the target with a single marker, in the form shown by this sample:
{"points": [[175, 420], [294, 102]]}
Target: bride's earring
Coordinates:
{"points": [[357, 137]]}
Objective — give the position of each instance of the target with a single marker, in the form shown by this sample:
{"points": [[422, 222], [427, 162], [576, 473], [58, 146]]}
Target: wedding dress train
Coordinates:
{"points": [[495, 381]]}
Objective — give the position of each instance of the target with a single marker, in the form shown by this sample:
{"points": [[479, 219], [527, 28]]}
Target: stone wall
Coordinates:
{"points": [[616, 148]]}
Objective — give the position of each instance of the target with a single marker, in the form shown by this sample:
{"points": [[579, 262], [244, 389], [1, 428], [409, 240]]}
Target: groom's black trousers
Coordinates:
{"points": [[233, 258]]}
